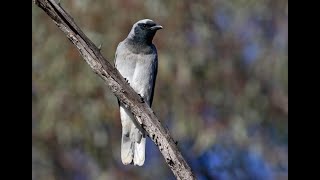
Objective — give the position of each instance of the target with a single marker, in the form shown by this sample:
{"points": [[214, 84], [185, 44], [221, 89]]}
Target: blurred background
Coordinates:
{"points": [[222, 90]]}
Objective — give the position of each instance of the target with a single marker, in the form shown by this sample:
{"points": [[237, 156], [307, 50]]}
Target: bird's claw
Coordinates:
{"points": [[141, 98], [126, 80]]}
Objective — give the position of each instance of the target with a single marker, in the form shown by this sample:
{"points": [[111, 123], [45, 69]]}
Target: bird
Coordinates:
{"points": [[136, 59]]}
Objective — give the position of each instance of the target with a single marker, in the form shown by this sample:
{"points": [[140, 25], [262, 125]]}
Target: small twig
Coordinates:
{"points": [[99, 47]]}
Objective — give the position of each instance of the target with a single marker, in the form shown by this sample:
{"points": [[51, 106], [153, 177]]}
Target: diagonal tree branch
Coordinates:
{"points": [[91, 54]]}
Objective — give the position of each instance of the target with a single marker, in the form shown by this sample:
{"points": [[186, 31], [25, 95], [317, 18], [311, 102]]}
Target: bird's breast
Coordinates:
{"points": [[138, 68], [144, 72]]}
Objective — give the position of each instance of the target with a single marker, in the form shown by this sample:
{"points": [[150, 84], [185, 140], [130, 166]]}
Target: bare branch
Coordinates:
{"points": [[159, 135]]}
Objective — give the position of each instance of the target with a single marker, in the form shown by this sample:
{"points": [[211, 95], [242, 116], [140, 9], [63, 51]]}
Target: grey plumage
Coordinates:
{"points": [[137, 60]]}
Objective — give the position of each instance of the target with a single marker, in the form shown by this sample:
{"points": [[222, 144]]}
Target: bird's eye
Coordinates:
{"points": [[144, 25]]}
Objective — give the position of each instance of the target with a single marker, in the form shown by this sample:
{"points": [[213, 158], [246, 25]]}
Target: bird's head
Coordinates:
{"points": [[144, 31]]}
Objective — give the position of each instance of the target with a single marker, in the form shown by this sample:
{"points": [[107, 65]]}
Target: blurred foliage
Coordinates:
{"points": [[222, 90]]}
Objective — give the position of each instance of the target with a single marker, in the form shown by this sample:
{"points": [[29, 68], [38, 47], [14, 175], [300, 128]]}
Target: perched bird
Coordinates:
{"points": [[136, 59]]}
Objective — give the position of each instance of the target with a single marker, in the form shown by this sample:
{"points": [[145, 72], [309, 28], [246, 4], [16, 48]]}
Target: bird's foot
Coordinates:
{"points": [[126, 80], [141, 98]]}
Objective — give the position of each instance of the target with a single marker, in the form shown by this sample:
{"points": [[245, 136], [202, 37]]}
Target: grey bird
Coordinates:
{"points": [[136, 59]]}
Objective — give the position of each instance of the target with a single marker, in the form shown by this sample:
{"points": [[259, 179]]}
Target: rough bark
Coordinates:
{"points": [[91, 54]]}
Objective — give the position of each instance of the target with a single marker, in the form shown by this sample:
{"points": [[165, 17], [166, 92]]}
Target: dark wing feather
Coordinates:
{"points": [[154, 80]]}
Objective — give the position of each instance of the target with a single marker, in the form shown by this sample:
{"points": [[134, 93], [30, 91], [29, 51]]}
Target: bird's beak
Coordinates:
{"points": [[156, 27]]}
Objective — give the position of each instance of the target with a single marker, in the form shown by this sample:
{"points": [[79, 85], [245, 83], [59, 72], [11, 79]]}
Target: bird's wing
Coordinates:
{"points": [[154, 81], [115, 61], [155, 69], [115, 56]]}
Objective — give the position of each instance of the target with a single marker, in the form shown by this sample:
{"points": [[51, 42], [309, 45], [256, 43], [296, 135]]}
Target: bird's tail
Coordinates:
{"points": [[133, 140]]}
